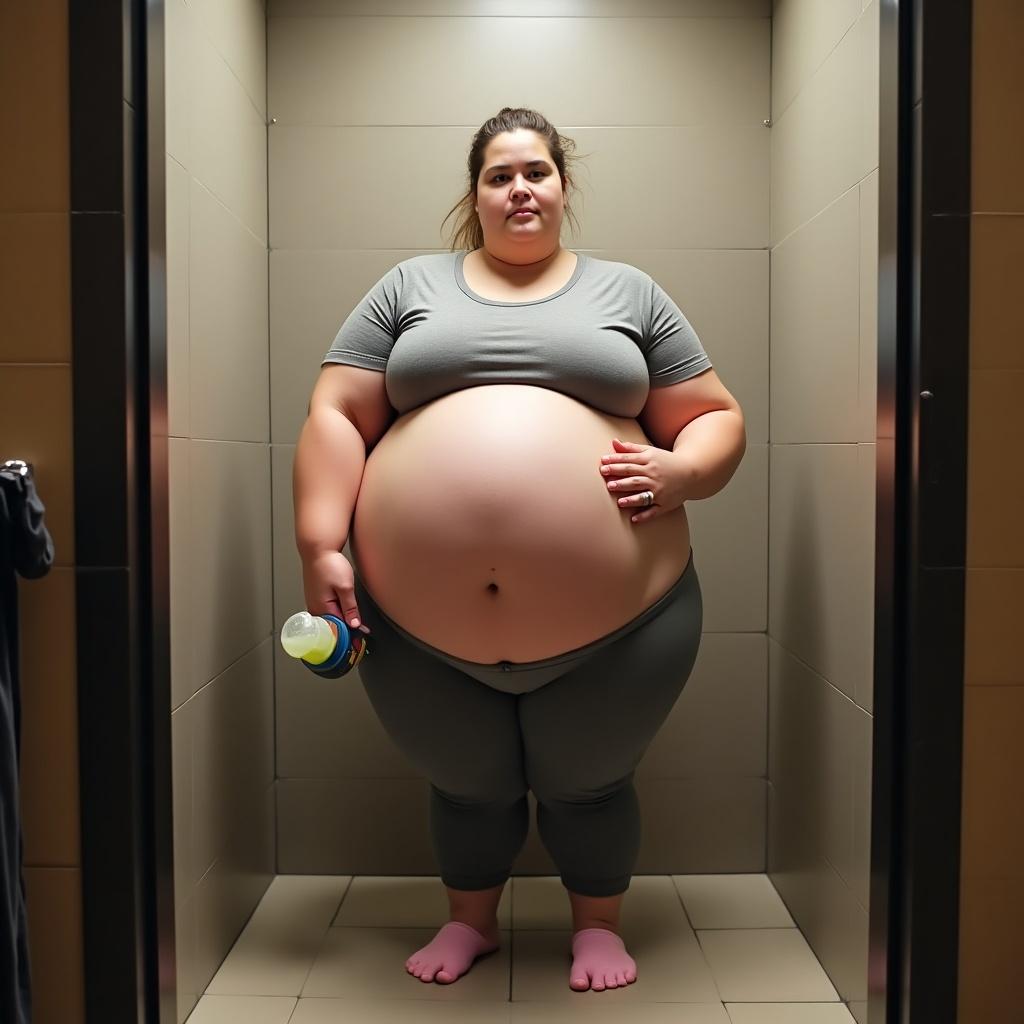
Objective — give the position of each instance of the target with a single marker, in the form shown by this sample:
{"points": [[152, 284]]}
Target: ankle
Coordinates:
{"points": [[579, 926], [485, 927], [477, 908]]}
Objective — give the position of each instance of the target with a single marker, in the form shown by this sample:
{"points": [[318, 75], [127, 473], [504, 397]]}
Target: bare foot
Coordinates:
{"points": [[452, 951], [600, 961]]}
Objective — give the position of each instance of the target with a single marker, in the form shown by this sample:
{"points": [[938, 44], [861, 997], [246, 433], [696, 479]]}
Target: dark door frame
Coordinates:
{"points": [[921, 511], [116, 75]]}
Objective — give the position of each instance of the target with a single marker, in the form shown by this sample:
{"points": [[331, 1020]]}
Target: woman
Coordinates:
{"points": [[520, 526]]}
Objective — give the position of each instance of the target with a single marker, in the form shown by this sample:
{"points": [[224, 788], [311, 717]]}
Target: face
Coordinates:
{"points": [[530, 182]]}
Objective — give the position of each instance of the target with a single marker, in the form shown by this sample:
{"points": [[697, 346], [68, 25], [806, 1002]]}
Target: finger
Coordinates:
{"points": [[643, 517], [624, 484], [351, 616], [626, 500], [331, 605]]}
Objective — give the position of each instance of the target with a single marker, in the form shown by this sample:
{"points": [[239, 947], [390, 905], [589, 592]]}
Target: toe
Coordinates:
{"points": [[580, 983], [444, 977]]}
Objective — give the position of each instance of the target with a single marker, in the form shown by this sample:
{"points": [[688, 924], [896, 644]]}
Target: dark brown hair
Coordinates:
{"points": [[468, 233]]}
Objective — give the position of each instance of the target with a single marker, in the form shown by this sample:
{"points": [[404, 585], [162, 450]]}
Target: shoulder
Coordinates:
{"points": [[413, 271], [426, 263], [613, 274]]}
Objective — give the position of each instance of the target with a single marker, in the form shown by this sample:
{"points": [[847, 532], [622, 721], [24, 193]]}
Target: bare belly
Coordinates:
{"points": [[483, 526]]}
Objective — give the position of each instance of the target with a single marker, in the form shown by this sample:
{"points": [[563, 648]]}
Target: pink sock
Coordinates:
{"points": [[449, 954], [600, 961]]}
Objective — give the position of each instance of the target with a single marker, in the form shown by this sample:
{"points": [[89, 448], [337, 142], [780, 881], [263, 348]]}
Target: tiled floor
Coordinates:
{"points": [[710, 949]]}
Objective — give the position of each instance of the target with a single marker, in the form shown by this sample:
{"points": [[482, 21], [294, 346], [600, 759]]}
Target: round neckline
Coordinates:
{"points": [[460, 278]]}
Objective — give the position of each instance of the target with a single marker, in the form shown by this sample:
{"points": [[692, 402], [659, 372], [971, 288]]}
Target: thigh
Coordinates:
{"points": [[587, 730], [461, 734]]}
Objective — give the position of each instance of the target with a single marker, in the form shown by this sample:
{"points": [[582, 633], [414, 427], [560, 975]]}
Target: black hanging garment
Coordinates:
{"points": [[25, 548]]}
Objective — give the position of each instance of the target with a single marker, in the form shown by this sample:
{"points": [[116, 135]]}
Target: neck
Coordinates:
{"points": [[526, 265]]}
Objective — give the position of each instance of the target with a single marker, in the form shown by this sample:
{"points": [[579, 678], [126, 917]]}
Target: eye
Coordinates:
{"points": [[536, 170]]}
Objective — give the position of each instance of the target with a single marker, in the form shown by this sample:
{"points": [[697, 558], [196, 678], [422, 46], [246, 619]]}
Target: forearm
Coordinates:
{"points": [[328, 469], [710, 448]]}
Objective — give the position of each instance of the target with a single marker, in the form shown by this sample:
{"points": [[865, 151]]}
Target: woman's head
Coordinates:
{"points": [[516, 160]]}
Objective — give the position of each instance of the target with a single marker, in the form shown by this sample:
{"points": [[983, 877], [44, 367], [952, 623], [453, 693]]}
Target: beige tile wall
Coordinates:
{"points": [[992, 841], [678, 100], [222, 672], [824, 266], [36, 425]]}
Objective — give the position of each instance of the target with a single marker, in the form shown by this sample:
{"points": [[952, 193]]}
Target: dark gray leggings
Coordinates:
{"points": [[571, 728]]}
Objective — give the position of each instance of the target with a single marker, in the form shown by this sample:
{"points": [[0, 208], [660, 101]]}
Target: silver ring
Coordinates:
{"points": [[649, 497]]}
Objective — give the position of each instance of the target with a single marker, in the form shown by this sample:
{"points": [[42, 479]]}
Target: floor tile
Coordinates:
{"points": [[651, 906], [669, 967], [276, 949], [789, 1013], [242, 1010], [391, 901], [300, 901], [587, 1011], [355, 970], [732, 901], [400, 1011], [765, 965], [368, 963], [263, 965]]}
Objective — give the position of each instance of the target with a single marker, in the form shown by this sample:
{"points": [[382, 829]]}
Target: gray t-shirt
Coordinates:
{"points": [[605, 338]]}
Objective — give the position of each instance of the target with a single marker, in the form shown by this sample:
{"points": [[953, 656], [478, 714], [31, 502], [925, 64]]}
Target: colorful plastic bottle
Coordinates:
{"points": [[324, 643]]}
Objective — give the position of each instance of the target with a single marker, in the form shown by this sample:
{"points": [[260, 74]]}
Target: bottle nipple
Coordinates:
{"points": [[309, 637]]}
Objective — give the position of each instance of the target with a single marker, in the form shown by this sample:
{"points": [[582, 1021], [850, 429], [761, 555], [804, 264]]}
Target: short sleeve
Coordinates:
{"points": [[673, 351], [368, 334]]}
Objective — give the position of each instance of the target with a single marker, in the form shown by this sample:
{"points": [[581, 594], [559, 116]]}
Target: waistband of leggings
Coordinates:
{"points": [[558, 659]]}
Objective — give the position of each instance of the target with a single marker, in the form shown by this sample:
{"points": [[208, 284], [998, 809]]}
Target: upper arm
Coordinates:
{"points": [[669, 409], [359, 394]]}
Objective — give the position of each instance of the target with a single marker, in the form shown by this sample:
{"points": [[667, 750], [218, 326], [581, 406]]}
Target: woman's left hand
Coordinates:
{"points": [[635, 468]]}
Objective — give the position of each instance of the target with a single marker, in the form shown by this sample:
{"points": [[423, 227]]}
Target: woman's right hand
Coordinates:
{"points": [[329, 584]]}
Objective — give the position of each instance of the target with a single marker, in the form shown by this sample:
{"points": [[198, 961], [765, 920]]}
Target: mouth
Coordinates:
{"points": [[523, 213]]}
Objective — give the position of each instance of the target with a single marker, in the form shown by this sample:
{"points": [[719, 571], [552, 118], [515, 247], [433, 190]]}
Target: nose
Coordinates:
{"points": [[520, 190]]}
